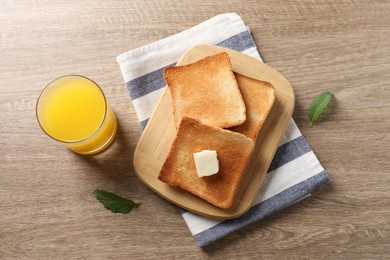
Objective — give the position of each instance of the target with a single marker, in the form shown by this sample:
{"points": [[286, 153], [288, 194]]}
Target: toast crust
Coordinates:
{"points": [[207, 91], [259, 97], [234, 151]]}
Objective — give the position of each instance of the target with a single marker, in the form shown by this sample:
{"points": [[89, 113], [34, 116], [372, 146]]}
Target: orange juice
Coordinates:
{"points": [[74, 111]]}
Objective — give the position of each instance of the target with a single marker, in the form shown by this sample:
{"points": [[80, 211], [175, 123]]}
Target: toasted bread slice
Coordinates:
{"points": [[259, 97], [207, 91], [234, 151]]}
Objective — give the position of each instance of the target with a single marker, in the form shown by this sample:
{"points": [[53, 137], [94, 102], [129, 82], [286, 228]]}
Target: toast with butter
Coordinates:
{"points": [[234, 151], [206, 90], [258, 97]]}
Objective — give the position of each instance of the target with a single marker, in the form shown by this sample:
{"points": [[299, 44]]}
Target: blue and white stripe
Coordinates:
{"points": [[295, 171]]}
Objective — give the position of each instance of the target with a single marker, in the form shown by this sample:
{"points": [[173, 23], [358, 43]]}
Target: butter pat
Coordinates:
{"points": [[206, 163]]}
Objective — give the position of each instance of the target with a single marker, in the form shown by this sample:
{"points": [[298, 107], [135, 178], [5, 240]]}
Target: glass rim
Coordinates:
{"points": [[89, 136]]}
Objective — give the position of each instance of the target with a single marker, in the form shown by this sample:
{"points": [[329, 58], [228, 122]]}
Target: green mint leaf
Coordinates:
{"points": [[115, 203], [318, 106]]}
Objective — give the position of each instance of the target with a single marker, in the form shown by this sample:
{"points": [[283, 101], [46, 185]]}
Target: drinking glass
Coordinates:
{"points": [[74, 111]]}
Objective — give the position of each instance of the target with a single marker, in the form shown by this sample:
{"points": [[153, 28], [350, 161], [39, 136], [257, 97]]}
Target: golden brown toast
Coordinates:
{"points": [[259, 97], [207, 91], [234, 151]]}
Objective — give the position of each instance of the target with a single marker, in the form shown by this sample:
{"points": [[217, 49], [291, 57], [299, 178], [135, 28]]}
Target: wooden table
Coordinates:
{"points": [[47, 210]]}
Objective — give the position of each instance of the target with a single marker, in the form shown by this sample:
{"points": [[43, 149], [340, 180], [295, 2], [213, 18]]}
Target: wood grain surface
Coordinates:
{"points": [[47, 210]]}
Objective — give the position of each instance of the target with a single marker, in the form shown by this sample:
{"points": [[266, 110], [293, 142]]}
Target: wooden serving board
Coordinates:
{"points": [[160, 131]]}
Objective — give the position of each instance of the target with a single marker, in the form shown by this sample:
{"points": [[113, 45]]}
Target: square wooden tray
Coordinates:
{"points": [[160, 131]]}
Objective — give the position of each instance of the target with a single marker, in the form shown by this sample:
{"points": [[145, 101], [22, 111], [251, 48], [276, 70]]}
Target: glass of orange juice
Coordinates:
{"points": [[74, 111]]}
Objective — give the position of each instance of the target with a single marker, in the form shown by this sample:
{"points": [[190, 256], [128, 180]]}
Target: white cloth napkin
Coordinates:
{"points": [[295, 170]]}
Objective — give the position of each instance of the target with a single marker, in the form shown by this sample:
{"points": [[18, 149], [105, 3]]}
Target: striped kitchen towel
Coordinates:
{"points": [[295, 170]]}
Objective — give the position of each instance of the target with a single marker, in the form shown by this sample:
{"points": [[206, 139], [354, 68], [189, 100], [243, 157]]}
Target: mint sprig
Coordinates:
{"points": [[318, 106], [115, 203]]}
